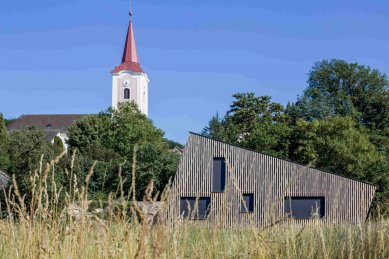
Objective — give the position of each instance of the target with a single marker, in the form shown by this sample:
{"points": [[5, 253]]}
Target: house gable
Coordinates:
{"points": [[269, 181]]}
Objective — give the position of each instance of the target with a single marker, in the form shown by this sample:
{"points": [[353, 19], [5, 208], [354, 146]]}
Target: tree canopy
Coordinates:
{"points": [[28, 151], [110, 138], [340, 124], [335, 144], [252, 120], [105, 141], [338, 88]]}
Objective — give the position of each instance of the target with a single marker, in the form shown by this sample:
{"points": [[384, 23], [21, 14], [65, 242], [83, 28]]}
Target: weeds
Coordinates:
{"points": [[49, 227]]}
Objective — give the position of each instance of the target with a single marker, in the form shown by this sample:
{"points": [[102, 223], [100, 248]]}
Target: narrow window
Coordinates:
{"points": [[247, 203], [304, 207], [195, 208], [219, 174], [126, 93], [144, 97]]}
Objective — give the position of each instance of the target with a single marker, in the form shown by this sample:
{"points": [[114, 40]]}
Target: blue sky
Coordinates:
{"points": [[56, 56]]}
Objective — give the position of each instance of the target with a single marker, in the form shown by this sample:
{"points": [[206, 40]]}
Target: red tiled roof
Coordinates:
{"points": [[131, 66], [53, 122], [130, 56]]}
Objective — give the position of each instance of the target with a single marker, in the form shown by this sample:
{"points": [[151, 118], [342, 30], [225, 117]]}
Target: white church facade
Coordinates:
{"points": [[129, 84]]}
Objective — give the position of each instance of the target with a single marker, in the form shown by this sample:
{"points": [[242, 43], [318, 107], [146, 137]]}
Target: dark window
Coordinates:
{"points": [[126, 93], [219, 174], [195, 208], [304, 207], [49, 125], [247, 203]]}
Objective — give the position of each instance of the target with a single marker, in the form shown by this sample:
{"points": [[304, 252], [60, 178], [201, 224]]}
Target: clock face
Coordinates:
{"points": [[126, 83]]}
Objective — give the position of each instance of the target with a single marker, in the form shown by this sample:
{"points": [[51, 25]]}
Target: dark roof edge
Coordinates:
{"points": [[293, 162], [55, 114]]}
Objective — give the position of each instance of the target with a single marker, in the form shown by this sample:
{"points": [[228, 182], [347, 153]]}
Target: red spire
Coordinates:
{"points": [[130, 56]]}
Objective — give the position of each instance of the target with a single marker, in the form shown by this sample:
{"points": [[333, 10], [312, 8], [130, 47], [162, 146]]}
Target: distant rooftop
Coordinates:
{"points": [[48, 122]]}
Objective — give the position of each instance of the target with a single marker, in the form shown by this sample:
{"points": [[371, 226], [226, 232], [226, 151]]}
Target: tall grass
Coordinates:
{"points": [[59, 223]]}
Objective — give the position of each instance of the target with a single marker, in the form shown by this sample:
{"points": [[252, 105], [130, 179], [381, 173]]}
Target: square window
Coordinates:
{"points": [[247, 203], [195, 208]]}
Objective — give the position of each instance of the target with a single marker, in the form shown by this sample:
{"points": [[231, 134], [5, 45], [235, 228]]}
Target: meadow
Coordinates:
{"points": [[58, 223], [64, 238]]}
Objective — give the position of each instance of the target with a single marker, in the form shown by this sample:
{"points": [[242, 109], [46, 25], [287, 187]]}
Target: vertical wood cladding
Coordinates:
{"points": [[269, 179]]}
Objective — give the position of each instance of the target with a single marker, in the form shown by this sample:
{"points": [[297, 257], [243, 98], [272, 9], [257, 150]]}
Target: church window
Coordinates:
{"points": [[126, 94]]}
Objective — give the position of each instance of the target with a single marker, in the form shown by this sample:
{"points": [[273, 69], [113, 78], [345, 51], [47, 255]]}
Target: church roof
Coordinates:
{"points": [[130, 56], [47, 122]]}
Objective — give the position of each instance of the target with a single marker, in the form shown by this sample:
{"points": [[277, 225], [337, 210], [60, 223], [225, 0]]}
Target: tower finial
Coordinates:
{"points": [[131, 13]]}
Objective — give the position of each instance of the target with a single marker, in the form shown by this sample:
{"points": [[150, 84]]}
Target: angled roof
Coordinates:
{"points": [[48, 122], [287, 160], [269, 180], [130, 56]]}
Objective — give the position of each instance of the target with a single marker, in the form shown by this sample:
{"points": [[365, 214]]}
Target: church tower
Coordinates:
{"points": [[129, 81]]}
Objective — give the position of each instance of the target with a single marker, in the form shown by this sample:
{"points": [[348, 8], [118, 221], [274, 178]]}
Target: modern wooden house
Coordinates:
{"points": [[227, 185]]}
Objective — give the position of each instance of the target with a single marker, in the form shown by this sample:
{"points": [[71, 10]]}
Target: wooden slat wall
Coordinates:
{"points": [[269, 179]]}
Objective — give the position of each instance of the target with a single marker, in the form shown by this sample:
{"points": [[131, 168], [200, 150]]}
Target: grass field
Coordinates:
{"points": [[60, 224], [114, 239]]}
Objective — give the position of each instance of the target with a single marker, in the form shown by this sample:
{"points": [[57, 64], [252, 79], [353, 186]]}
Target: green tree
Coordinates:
{"points": [[223, 129], [58, 145], [336, 144], [247, 110], [88, 131], [110, 138], [129, 127], [28, 147], [270, 138], [154, 163], [253, 122], [338, 88], [378, 173]]}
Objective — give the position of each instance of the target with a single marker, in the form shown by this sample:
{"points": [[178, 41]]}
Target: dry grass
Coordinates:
{"points": [[52, 228], [61, 239]]}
